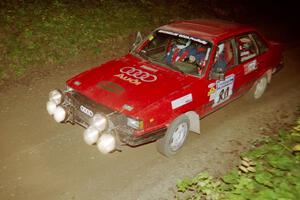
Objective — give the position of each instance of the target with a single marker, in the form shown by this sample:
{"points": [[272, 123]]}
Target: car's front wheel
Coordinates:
{"points": [[175, 136]]}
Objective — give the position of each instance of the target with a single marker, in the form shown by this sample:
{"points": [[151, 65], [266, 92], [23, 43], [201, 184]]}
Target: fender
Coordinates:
{"points": [[194, 121]]}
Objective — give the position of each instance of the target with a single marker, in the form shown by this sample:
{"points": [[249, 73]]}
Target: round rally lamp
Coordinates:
{"points": [[106, 143], [59, 114], [51, 107], [55, 96], [91, 135], [99, 122]]}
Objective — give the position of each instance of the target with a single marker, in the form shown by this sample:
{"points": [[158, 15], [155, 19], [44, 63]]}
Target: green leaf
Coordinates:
{"points": [[283, 134], [282, 162], [256, 153], [183, 185], [231, 178], [296, 148], [265, 194], [264, 178], [295, 137]]}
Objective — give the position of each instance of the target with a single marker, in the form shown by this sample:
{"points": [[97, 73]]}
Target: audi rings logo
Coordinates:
{"points": [[86, 111], [138, 74]]}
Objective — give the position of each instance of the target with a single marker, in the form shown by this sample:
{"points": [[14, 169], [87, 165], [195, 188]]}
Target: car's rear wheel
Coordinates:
{"points": [[175, 136], [258, 88]]}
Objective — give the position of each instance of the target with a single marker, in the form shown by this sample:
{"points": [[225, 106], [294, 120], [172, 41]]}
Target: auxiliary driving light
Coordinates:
{"points": [[91, 135], [99, 122], [106, 143], [55, 96], [59, 114], [51, 107]]}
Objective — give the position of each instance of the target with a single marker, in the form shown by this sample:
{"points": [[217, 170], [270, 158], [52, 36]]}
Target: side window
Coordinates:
{"points": [[224, 57], [262, 46], [246, 48]]}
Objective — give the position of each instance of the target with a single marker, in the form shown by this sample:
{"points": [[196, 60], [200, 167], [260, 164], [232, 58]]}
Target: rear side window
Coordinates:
{"points": [[247, 49], [261, 44]]}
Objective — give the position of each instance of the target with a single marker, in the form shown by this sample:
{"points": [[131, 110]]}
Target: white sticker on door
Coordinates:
{"points": [[251, 66], [182, 101], [223, 90]]}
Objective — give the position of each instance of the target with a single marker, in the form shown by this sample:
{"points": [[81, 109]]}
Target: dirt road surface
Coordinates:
{"points": [[40, 159]]}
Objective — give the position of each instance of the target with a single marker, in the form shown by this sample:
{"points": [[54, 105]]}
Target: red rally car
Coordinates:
{"points": [[160, 90]]}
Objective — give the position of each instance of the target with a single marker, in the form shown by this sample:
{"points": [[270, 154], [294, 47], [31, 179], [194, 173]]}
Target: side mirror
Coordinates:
{"points": [[217, 74], [138, 40]]}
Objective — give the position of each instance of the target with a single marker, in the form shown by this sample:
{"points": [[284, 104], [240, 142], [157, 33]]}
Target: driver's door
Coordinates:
{"points": [[225, 77]]}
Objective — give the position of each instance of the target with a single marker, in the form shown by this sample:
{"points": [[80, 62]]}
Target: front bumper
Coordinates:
{"points": [[80, 110]]}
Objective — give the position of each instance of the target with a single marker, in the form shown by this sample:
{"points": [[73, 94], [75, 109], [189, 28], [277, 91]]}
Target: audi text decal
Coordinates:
{"points": [[136, 76]]}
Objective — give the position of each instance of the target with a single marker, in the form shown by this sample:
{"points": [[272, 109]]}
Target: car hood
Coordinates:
{"points": [[128, 84]]}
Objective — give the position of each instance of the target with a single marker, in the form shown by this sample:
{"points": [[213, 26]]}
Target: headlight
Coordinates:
{"points": [[55, 96], [99, 122], [136, 124]]}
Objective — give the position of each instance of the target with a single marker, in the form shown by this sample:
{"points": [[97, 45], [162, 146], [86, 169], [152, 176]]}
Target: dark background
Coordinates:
{"points": [[282, 16]]}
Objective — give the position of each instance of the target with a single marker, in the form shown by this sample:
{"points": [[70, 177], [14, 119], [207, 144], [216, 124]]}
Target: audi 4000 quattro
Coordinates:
{"points": [[170, 80]]}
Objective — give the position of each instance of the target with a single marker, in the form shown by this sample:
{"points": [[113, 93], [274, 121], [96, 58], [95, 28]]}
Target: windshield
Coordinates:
{"points": [[179, 52]]}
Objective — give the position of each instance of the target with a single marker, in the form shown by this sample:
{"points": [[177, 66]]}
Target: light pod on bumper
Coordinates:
{"points": [[99, 122], [51, 107], [59, 114], [55, 96], [106, 143], [91, 135]]}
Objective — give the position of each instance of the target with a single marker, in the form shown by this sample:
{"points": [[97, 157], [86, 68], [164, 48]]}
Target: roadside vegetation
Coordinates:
{"points": [[37, 33], [49, 33], [269, 171], [40, 34]]}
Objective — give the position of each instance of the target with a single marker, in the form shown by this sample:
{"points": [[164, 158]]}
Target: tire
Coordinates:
{"points": [[258, 88], [175, 136]]}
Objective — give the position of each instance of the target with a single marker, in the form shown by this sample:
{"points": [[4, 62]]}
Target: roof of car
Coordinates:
{"points": [[209, 29]]}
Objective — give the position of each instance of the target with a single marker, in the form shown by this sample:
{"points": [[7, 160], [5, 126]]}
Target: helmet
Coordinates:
{"points": [[182, 43]]}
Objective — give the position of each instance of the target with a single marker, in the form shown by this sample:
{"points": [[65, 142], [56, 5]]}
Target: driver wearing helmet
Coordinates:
{"points": [[178, 51]]}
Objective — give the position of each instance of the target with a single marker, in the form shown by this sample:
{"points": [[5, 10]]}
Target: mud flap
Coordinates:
{"points": [[194, 121]]}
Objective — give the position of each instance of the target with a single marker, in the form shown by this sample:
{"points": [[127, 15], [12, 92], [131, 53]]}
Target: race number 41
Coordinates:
{"points": [[223, 90]]}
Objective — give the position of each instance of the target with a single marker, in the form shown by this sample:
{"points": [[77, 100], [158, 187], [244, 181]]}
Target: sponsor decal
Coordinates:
{"points": [[245, 53], [183, 36], [211, 91], [86, 111], [136, 76], [150, 37], [249, 67], [148, 68], [222, 90], [211, 85], [182, 101]]}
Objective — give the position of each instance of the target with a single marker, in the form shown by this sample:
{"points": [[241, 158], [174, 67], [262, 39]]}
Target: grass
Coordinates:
{"points": [[51, 32], [269, 171]]}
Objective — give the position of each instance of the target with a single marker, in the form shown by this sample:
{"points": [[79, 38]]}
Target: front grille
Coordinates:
{"points": [[118, 120], [83, 100]]}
